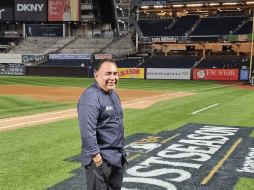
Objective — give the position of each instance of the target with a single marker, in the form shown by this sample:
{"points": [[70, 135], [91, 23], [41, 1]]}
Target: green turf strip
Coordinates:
{"points": [[33, 158], [11, 106]]}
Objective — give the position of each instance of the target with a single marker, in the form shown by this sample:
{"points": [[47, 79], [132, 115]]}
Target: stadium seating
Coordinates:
{"points": [[182, 26], [121, 47], [33, 45], [66, 63], [156, 27], [128, 63], [245, 29], [223, 61], [217, 26], [86, 46], [172, 61]]}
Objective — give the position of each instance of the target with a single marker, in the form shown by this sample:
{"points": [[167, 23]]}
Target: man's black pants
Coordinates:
{"points": [[104, 177]]}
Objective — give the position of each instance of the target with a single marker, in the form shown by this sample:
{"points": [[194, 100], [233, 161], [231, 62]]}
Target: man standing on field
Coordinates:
{"points": [[102, 133]]}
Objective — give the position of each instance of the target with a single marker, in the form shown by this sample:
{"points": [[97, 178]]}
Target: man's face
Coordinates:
{"points": [[107, 76]]}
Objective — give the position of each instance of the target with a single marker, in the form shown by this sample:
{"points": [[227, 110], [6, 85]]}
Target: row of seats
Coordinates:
{"points": [[245, 29], [224, 61], [173, 61], [122, 47], [33, 45], [206, 26], [217, 26], [66, 63], [86, 45]]}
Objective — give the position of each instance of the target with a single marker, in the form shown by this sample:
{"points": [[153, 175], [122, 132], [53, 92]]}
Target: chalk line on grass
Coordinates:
{"points": [[195, 112]]}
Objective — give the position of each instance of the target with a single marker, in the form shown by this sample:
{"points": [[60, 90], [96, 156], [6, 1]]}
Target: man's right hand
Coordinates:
{"points": [[97, 159]]}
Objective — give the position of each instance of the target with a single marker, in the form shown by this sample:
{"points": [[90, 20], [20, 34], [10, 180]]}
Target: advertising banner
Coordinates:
{"points": [[153, 3], [244, 74], [63, 10], [163, 73], [6, 11], [131, 73], [242, 38], [30, 10], [10, 58], [44, 30], [164, 39], [103, 56], [69, 56], [215, 74], [30, 58], [13, 69]]}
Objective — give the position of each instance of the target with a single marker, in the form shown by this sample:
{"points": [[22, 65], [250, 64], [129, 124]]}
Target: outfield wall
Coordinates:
{"points": [[81, 72], [208, 74]]}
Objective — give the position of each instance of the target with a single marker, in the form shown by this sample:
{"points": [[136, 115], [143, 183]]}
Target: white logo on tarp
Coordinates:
{"points": [[1, 13], [108, 108], [29, 7]]}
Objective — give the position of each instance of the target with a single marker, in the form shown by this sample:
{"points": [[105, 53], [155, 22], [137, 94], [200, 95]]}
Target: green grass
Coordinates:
{"points": [[33, 157], [22, 105]]}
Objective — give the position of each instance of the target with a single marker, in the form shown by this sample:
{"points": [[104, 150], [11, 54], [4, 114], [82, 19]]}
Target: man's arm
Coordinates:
{"points": [[87, 116]]}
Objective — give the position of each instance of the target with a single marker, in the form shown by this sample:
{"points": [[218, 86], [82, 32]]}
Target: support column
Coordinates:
{"points": [[24, 30], [69, 30], [137, 32]]}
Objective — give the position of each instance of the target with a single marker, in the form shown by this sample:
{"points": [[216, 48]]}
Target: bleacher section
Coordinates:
{"points": [[224, 61], [128, 63], [32, 45], [182, 26], [173, 61], [155, 27], [124, 46], [217, 26], [86, 46], [66, 63], [245, 29]]}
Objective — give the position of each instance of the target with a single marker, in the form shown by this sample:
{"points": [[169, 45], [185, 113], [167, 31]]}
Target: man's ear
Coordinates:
{"points": [[95, 74]]}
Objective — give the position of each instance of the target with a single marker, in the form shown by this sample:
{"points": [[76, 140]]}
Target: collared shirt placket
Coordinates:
{"points": [[117, 112]]}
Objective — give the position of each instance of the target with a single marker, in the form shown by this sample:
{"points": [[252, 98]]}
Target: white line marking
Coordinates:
{"points": [[30, 122], [204, 108], [31, 116], [134, 103]]}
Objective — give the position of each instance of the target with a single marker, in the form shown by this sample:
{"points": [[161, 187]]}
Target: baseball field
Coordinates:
{"points": [[35, 155]]}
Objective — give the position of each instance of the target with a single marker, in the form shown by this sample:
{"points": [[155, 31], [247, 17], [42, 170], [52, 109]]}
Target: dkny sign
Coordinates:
{"points": [[29, 7], [29, 10]]}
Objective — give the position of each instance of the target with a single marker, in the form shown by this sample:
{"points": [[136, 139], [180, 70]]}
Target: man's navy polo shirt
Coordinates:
{"points": [[101, 125]]}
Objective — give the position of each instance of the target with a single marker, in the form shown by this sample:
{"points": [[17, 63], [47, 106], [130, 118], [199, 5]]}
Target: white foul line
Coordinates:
{"points": [[30, 122], [37, 115], [204, 108]]}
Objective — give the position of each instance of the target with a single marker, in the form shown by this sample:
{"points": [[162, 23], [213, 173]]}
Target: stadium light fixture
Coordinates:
{"points": [[214, 4], [229, 3], [194, 5], [250, 2], [158, 6], [144, 7], [178, 5]]}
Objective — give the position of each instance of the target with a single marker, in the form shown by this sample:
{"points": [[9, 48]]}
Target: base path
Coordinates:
{"points": [[137, 99]]}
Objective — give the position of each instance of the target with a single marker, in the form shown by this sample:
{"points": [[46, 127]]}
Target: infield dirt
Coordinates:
{"points": [[137, 99]]}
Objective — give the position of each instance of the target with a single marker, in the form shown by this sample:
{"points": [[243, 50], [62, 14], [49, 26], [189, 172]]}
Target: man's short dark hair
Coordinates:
{"points": [[103, 61]]}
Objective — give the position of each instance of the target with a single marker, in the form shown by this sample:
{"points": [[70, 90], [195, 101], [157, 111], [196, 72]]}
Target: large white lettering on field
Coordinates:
{"points": [[248, 165], [197, 148]]}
